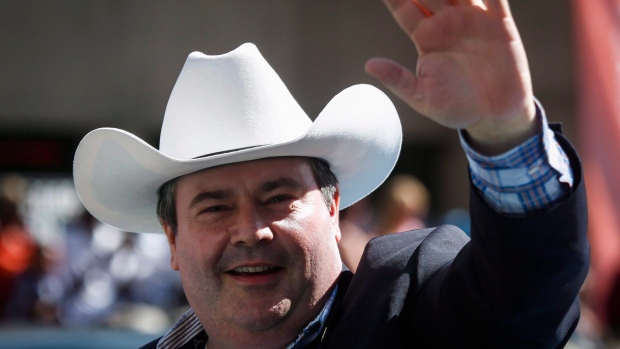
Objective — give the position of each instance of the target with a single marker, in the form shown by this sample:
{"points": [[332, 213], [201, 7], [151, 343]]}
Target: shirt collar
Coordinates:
{"points": [[316, 326], [188, 326]]}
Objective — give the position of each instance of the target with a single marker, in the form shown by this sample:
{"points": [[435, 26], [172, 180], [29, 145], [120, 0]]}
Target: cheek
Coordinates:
{"points": [[305, 227], [310, 232], [197, 260], [196, 252]]}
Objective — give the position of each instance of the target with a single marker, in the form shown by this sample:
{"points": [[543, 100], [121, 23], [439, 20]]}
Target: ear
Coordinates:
{"points": [[334, 212], [173, 246]]}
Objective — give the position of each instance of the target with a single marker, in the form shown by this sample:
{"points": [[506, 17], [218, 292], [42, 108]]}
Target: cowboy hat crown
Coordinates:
{"points": [[232, 101], [231, 108]]}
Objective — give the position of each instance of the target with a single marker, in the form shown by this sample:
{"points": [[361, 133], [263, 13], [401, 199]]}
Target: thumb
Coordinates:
{"points": [[394, 77]]}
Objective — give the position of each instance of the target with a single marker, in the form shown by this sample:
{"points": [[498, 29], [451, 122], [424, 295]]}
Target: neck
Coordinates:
{"points": [[280, 336]]}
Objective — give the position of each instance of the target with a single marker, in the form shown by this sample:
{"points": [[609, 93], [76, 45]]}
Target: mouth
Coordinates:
{"points": [[255, 271]]}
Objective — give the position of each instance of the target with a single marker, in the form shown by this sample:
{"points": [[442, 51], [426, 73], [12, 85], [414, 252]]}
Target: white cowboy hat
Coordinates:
{"points": [[232, 108]]}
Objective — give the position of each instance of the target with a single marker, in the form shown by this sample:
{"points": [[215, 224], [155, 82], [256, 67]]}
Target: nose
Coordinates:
{"points": [[250, 228]]}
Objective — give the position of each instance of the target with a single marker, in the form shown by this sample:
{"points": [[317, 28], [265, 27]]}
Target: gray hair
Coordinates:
{"points": [[166, 203]]}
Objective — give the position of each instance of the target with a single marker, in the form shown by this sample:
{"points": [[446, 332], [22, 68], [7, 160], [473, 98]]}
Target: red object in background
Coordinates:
{"points": [[16, 250], [31, 153], [597, 34]]}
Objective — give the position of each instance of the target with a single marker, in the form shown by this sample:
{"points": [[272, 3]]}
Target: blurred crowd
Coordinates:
{"points": [[79, 272], [61, 267]]}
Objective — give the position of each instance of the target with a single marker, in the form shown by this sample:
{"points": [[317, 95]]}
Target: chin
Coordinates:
{"points": [[264, 318]]}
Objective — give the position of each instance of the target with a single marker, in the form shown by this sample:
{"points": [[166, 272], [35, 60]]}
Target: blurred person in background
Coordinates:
{"points": [[247, 190], [355, 228], [403, 204]]}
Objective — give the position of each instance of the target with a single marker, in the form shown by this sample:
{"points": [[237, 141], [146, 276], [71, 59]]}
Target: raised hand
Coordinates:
{"points": [[472, 71]]}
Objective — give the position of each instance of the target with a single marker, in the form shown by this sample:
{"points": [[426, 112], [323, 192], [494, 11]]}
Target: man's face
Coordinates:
{"points": [[256, 245]]}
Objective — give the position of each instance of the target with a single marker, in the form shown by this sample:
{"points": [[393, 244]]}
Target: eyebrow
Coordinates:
{"points": [[283, 182], [207, 195]]}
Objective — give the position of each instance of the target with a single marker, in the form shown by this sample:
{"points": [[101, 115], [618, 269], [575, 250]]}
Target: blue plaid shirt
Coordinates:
{"points": [[525, 180]]}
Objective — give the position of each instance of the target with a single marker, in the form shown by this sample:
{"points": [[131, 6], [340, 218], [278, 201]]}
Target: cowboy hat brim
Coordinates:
{"points": [[117, 175]]}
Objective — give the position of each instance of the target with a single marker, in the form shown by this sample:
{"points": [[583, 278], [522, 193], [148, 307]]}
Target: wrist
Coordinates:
{"points": [[497, 136]]}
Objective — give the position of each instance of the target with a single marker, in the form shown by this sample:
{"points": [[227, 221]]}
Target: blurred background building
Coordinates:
{"points": [[68, 67]]}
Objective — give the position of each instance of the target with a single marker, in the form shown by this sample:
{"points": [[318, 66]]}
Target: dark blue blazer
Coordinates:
{"points": [[515, 284]]}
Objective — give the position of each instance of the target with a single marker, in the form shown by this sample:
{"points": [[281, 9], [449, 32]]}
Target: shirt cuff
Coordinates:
{"points": [[525, 180]]}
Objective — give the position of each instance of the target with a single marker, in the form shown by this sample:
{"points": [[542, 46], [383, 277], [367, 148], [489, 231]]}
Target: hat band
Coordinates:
{"points": [[226, 151]]}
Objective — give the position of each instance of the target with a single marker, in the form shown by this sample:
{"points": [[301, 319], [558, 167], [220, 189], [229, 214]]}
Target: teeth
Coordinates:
{"points": [[252, 269]]}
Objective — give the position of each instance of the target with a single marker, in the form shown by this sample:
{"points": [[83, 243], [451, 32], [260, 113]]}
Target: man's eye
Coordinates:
{"points": [[279, 198], [213, 209]]}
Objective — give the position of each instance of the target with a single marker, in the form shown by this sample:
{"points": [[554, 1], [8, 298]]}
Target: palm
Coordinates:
{"points": [[471, 69]]}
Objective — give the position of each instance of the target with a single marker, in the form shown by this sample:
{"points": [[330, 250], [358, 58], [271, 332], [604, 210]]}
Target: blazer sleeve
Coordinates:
{"points": [[515, 284]]}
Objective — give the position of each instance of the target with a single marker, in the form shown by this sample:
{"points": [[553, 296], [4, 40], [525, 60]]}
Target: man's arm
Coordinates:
{"points": [[516, 283]]}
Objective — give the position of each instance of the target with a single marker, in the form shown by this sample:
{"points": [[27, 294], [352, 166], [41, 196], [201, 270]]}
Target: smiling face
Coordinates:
{"points": [[256, 248]]}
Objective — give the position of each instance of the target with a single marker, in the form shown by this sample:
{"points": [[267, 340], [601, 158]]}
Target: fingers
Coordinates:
{"points": [[498, 7], [426, 12], [397, 79], [409, 13], [479, 3], [434, 6], [406, 13]]}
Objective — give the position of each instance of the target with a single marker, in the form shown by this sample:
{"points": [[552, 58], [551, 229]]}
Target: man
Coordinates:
{"points": [[247, 190]]}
